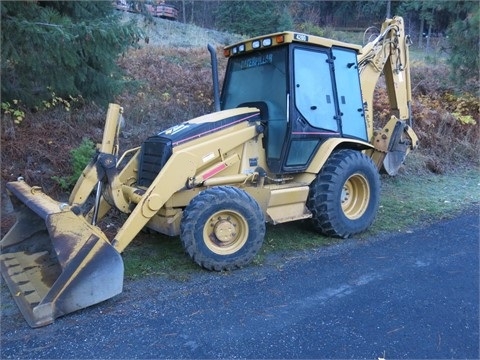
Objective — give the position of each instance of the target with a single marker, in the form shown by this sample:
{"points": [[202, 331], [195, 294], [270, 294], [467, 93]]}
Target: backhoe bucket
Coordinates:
{"points": [[54, 261]]}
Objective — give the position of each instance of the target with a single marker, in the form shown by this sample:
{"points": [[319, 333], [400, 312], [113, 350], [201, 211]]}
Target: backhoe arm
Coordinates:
{"points": [[388, 53]]}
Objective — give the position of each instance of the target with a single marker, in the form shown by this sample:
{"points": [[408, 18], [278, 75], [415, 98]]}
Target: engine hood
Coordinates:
{"points": [[207, 124], [156, 150]]}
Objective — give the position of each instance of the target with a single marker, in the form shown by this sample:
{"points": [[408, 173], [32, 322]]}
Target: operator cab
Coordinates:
{"points": [[307, 89]]}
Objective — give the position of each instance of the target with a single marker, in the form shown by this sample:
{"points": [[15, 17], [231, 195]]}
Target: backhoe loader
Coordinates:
{"points": [[292, 137]]}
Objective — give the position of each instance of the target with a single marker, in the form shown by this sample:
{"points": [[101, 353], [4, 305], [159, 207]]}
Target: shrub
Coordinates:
{"points": [[80, 157]]}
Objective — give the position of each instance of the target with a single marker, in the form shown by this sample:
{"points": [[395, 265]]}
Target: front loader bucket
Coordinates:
{"points": [[54, 261]]}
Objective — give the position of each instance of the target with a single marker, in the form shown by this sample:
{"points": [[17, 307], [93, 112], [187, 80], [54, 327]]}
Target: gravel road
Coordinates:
{"points": [[404, 295]]}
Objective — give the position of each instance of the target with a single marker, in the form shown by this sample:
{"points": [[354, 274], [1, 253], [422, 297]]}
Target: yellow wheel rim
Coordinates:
{"points": [[355, 196], [225, 232]]}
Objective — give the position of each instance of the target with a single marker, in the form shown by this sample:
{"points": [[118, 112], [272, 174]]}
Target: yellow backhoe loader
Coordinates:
{"points": [[292, 137]]}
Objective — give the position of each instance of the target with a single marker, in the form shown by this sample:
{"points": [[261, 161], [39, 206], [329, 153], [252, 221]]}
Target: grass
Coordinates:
{"points": [[408, 201], [157, 254]]}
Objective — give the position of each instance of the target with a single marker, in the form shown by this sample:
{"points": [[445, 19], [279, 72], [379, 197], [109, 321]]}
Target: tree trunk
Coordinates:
{"points": [[193, 10], [429, 35], [420, 35], [184, 12]]}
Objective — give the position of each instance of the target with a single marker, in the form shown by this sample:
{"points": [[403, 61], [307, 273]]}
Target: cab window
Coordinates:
{"points": [[314, 97]]}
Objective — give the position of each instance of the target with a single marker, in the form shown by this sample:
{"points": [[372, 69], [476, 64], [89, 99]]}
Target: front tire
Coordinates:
{"points": [[222, 228], [345, 196]]}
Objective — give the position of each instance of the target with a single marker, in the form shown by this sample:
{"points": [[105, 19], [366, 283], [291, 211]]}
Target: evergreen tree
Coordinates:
{"points": [[464, 43], [285, 21], [64, 47], [253, 18]]}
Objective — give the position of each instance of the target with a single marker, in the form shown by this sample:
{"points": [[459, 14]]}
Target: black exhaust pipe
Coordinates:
{"points": [[216, 92]]}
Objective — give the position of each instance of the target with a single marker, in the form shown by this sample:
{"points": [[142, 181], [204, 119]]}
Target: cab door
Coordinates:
{"points": [[350, 101], [314, 108]]}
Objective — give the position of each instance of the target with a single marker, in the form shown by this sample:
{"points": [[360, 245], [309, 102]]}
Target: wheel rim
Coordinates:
{"points": [[225, 232], [355, 196]]}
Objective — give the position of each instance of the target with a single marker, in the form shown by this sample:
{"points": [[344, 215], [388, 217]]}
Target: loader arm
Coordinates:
{"points": [[388, 54], [104, 163], [174, 178]]}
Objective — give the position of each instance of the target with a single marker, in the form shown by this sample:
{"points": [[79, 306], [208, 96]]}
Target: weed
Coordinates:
{"points": [[59, 101], [12, 116], [80, 157], [14, 111]]}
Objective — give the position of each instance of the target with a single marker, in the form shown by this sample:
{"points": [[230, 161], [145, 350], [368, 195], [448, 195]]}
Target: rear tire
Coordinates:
{"points": [[345, 196], [222, 228]]}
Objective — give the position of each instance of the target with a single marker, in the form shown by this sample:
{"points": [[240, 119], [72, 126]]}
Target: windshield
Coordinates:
{"points": [[258, 77]]}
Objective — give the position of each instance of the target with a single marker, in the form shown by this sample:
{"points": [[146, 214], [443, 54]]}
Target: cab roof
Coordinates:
{"points": [[281, 38]]}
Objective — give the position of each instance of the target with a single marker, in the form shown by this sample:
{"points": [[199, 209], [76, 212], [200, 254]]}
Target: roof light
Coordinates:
{"points": [[241, 48], [267, 42], [234, 50], [256, 44], [280, 39], [226, 52]]}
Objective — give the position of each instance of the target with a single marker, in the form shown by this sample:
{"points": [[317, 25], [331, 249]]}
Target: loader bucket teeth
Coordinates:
{"points": [[60, 267]]}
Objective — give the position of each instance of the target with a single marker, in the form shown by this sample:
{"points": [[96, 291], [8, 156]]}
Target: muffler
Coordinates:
{"points": [[53, 260]]}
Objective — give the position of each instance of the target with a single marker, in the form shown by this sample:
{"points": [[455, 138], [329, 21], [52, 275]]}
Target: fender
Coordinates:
{"points": [[329, 146]]}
